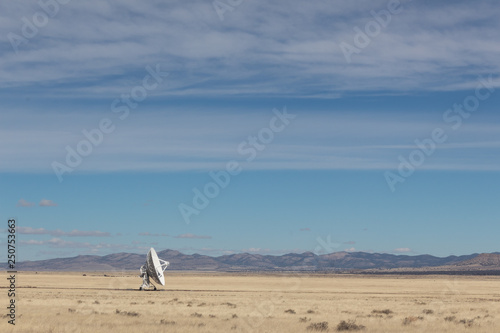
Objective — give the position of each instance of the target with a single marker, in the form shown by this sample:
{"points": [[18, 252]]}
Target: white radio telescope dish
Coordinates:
{"points": [[153, 269]]}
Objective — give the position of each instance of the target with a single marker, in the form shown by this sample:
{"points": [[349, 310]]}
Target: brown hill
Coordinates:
{"points": [[490, 260], [307, 261], [478, 264]]}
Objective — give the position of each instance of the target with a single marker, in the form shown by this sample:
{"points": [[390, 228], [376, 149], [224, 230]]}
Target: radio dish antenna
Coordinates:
{"points": [[153, 269]]}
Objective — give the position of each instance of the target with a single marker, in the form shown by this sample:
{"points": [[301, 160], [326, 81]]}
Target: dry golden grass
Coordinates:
{"points": [[217, 302]]}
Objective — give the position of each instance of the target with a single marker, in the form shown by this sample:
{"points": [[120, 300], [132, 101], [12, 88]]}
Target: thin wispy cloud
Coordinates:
{"points": [[267, 251], [24, 203], [258, 50], [60, 233], [402, 250], [72, 246], [193, 236], [148, 234], [316, 141], [206, 251], [47, 203]]}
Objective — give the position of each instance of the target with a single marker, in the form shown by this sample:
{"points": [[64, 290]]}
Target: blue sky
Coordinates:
{"points": [[392, 147]]}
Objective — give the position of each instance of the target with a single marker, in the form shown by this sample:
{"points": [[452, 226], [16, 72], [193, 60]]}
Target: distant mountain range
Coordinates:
{"points": [[307, 261]]}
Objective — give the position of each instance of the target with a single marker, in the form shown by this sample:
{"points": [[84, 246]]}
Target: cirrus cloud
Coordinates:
{"points": [[47, 203], [193, 236], [148, 234], [403, 250], [24, 203], [60, 233], [73, 246], [265, 48]]}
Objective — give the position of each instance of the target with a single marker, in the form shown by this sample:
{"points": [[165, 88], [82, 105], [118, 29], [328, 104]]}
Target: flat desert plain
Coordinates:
{"points": [[239, 302]]}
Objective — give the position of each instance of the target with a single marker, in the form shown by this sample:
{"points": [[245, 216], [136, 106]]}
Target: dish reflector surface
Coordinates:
{"points": [[155, 269]]}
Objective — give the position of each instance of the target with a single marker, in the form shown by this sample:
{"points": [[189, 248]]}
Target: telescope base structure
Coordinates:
{"points": [[146, 283]]}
